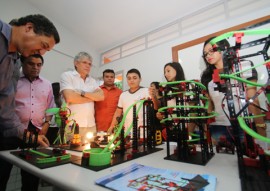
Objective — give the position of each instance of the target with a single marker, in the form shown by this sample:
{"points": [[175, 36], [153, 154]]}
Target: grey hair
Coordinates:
{"points": [[81, 55]]}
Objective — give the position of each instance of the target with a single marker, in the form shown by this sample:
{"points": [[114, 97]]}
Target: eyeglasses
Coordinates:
{"points": [[210, 53]]}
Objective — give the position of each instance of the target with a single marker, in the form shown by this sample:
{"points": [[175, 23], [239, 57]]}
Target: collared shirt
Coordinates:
{"points": [[84, 113], [10, 125], [33, 99], [106, 107]]}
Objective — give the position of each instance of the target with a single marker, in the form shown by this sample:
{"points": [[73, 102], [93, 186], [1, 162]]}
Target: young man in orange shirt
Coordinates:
{"points": [[104, 110]]}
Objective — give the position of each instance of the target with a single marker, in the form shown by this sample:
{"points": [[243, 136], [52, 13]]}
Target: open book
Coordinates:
{"points": [[140, 177]]}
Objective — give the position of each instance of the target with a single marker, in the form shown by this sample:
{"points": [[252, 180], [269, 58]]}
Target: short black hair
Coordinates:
{"points": [[108, 71], [24, 59], [41, 25], [133, 70]]}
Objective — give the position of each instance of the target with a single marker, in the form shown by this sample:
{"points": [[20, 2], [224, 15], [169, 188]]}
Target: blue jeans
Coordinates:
{"points": [[217, 131]]}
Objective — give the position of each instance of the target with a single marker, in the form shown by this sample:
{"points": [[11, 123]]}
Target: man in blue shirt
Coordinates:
{"points": [[32, 34]]}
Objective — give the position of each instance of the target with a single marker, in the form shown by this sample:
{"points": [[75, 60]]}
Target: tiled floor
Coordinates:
{"points": [[14, 183]]}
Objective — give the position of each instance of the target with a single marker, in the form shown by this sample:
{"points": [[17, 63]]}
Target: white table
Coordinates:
{"points": [[72, 177]]}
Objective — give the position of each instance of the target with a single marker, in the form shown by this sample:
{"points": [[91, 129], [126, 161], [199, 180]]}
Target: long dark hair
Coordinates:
{"points": [[206, 75], [56, 94], [180, 75]]}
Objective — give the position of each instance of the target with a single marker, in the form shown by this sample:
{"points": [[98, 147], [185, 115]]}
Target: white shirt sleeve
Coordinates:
{"points": [[146, 92], [120, 101], [66, 81]]}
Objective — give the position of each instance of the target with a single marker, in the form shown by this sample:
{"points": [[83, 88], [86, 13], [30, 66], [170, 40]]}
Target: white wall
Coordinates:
{"points": [[55, 62], [151, 61]]}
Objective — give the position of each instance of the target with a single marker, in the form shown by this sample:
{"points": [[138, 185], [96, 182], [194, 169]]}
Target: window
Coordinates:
{"points": [[208, 15]]}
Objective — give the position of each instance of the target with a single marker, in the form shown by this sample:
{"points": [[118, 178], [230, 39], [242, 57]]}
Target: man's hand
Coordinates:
{"points": [[43, 141]]}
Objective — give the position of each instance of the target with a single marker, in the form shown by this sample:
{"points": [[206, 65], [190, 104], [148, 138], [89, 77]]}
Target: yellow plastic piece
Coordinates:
{"points": [[158, 137]]}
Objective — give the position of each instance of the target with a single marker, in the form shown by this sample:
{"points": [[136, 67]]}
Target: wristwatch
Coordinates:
{"points": [[49, 122], [82, 93]]}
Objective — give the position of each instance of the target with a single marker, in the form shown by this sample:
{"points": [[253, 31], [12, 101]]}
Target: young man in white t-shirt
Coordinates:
{"points": [[129, 97]]}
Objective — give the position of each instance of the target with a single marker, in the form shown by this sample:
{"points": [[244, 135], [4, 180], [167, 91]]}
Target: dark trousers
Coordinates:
{"points": [[29, 181], [52, 134]]}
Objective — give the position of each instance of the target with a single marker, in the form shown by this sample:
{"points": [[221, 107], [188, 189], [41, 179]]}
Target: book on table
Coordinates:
{"points": [[141, 177]]}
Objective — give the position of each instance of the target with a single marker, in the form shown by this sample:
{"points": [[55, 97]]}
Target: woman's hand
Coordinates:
{"points": [[152, 92]]}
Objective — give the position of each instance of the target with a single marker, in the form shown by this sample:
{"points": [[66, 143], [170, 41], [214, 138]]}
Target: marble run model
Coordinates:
{"points": [[66, 126], [40, 157], [128, 142], [141, 135], [190, 107], [225, 145], [249, 153]]}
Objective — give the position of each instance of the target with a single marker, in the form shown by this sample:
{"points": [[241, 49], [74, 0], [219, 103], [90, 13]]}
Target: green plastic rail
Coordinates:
{"points": [[252, 67], [181, 107], [129, 128], [183, 81], [53, 159], [249, 131], [117, 134], [245, 32], [241, 80], [48, 158], [213, 114], [244, 80]]}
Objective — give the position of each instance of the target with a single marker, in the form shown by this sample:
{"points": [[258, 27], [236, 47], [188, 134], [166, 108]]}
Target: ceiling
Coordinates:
{"points": [[104, 24]]}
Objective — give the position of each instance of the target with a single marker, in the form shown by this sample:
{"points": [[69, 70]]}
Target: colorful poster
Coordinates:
{"points": [[140, 177]]}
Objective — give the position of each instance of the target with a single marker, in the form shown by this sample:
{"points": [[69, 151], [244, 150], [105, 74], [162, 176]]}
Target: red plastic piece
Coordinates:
{"points": [[86, 154], [252, 162], [58, 159], [183, 86], [134, 151], [267, 115], [129, 157], [28, 157], [170, 110], [222, 81], [215, 76], [267, 65], [238, 37], [176, 120], [211, 120]]}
